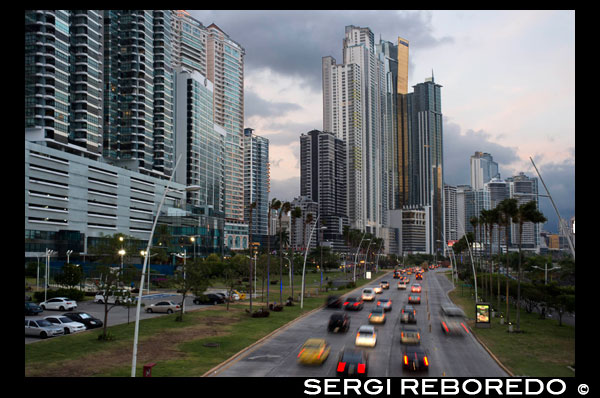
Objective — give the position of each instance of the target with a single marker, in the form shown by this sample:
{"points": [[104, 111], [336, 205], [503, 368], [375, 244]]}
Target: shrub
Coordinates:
{"points": [[73, 294]]}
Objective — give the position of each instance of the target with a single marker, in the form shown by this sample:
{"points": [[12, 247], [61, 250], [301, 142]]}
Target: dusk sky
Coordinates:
{"points": [[508, 85]]}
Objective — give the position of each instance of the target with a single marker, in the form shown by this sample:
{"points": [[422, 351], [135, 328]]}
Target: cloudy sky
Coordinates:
{"points": [[508, 82]]}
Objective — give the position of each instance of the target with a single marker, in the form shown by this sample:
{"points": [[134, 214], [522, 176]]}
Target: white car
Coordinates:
{"points": [[402, 285], [59, 303], [368, 294], [69, 325], [366, 336], [378, 289]]}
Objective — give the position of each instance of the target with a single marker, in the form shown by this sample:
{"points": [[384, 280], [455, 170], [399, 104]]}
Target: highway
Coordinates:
{"points": [[450, 356]]}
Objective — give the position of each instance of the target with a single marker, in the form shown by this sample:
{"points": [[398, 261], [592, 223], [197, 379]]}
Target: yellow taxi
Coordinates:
{"points": [[314, 352]]}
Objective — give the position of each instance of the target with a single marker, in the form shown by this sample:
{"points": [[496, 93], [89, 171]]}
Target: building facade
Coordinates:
{"points": [[483, 169], [256, 181]]}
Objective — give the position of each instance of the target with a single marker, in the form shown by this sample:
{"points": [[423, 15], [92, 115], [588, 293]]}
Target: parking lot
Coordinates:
{"points": [[118, 314]]}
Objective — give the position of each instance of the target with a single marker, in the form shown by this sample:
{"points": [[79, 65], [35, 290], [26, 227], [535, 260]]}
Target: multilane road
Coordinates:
{"points": [[451, 356]]}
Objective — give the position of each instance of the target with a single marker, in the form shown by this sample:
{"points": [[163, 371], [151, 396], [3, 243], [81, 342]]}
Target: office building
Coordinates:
{"points": [[256, 182], [323, 180], [483, 169]]}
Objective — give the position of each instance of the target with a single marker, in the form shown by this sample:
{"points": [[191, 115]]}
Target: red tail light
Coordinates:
{"points": [[370, 316], [346, 303], [341, 366], [405, 360], [379, 303], [426, 361], [361, 368], [464, 327], [445, 327], [355, 304], [301, 351], [321, 352]]}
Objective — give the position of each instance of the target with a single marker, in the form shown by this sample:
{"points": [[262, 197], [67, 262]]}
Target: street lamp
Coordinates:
{"points": [[69, 252], [122, 253], [47, 273], [356, 255], [143, 254], [305, 255], [139, 301], [545, 271], [184, 256]]}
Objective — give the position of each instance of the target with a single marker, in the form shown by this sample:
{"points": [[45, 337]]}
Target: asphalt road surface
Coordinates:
{"points": [[451, 356]]}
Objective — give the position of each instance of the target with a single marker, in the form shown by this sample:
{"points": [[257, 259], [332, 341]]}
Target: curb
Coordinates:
{"points": [[223, 365]]}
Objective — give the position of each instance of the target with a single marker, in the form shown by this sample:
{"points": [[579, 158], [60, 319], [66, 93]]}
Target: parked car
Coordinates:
{"points": [[118, 297], [163, 306], [32, 308], [353, 363], [68, 325], [83, 317], [338, 322], [209, 298], [59, 303], [42, 328]]}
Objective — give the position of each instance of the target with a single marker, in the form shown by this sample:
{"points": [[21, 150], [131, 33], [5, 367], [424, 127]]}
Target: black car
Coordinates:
{"points": [[415, 358], [353, 303], [333, 302], [352, 363], [32, 308], [89, 321], [209, 298], [338, 323]]}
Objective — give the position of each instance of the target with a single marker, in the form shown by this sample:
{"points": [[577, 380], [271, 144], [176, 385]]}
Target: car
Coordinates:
{"points": [[209, 298], [163, 306], [377, 289], [333, 302], [68, 325], [353, 303], [89, 321], [117, 297], [385, 303], [32, 308], [408, 314], [377, 315], [396, 275], [368, 294], [338, 323], [415, 288], [353, 363], [414, 358], [419, 276], [410, 335], [314, 352], [240, 295], [452, 319], [42, 328], [402, 285], [384, 284], [414, 298], [366, 336], [59, 303]]}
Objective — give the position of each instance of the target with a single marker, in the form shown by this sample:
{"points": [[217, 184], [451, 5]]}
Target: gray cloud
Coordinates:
{"points": [[293, 42], [285, 190], [257, 106]]}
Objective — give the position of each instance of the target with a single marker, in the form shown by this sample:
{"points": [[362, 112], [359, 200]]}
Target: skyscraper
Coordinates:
{"points": [[256, 181], [64, 79], [323, 180], [483, 169]]}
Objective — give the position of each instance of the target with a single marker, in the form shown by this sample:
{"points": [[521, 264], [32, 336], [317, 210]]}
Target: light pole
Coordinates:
{"points": [[69, 252], [139, 301], [143, 253], [47, 273], [472, 263], [545, 271], [367, 257], [37, 279], [305, 255], [122, 253], [184, 256], [356, 256]]}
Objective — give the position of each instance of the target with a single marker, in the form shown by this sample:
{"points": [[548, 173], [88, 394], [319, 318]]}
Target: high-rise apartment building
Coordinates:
{"points": [[200, 141], [138, 91], [190, 41], [323, 180], [257, 181], [483, 169], [450, 213], [525, 189], [64, 79]]}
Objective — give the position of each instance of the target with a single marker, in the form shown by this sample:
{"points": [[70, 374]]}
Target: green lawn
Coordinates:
{"points": [[544, 349]]}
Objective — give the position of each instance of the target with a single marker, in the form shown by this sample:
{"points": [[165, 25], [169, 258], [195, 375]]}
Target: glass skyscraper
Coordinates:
{"points": [[256, 181]]}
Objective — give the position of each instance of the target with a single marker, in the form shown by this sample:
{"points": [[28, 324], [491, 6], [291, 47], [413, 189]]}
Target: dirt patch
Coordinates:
{"points": [[160, 347]]}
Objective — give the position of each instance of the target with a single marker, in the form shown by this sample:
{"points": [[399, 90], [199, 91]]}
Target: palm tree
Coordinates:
{"points": [[275, 205], [251, 208], [508, 211], [527, 212], [476, 231], [492, 216], [295, 213], [285, 208]]}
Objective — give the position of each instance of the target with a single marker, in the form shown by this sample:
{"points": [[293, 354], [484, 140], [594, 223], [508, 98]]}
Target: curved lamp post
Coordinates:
{"points": [[305, 255], [356, 255]]}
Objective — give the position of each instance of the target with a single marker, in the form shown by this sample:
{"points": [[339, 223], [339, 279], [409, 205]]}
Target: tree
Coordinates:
{"points": [[191, 276], [284, 208], [110, 281], [71, 276], [508, 211], [527, 212], [232, 271], [295, 214]]}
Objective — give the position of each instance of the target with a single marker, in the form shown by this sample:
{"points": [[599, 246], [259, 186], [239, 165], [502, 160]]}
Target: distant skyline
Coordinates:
{"points": [[508, 85]]}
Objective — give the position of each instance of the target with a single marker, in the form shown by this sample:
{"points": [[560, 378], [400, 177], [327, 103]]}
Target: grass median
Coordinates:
{"points": [[543, 349], [205, 338]]}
